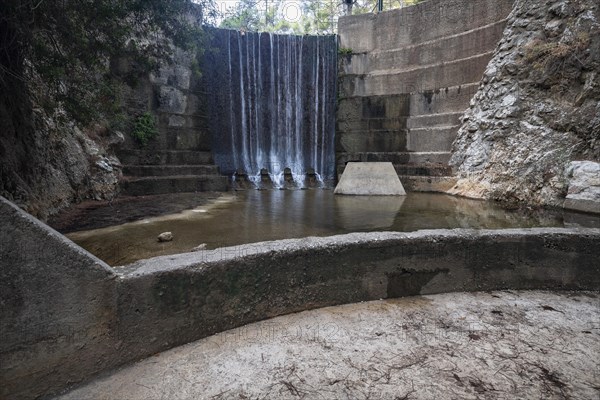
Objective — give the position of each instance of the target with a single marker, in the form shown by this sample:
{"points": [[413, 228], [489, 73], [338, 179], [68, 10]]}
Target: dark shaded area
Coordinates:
{"points": [[409, 282], [98, 214]]}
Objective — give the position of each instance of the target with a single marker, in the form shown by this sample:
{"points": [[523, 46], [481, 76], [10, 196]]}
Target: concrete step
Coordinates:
{"points": [[440, 50], [422, 170], [426, 170], [434, 120], [164, 157], [414, 183], [372, 140], [413, 25], [170, 170], [431, 139], [441, 157], [174, 184], [187, 139], [433, 77]]}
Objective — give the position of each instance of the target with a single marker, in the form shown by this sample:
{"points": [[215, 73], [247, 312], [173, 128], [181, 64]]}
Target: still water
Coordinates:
{"points": [[254, 216]]}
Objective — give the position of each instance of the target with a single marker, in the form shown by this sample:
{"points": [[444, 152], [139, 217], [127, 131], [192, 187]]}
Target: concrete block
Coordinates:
{"points": [[371, 178]]}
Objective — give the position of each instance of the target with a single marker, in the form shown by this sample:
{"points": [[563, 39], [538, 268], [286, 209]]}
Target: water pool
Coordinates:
{"points": [[255, 216]]}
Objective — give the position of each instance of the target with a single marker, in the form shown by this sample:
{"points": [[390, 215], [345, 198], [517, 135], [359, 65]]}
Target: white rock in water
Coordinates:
{"points": [[199, 247], [165, 237], [584, 186]]}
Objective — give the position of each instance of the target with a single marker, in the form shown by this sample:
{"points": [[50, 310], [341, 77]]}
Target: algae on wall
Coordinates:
{"points": [[538, 106]]}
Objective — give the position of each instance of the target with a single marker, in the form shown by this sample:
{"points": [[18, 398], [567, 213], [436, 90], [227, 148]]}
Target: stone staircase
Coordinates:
{"points": [[148, 172], [179, 158]]}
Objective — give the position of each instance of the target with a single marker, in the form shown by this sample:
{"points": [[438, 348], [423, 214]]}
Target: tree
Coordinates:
{"points": [[315, 16], [68, 44]]}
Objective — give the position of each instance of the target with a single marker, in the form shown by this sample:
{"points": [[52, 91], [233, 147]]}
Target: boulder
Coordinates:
{"points": [[165, 237]]}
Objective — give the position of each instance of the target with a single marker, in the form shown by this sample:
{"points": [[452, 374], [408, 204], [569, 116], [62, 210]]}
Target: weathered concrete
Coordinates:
{"points": [[370, 179], [506, 345], [584, 186], [58, 309], [67, 316], [410, 74]]}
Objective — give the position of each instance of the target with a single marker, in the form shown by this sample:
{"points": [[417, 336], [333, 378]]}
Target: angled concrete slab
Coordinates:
{"points": [[370, 179]]}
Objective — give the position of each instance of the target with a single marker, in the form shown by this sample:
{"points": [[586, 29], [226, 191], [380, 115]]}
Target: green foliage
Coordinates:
{"points": [[542, 54], [344, 51], [280, 16], [305, 17], [145, 128], [68, 45]]}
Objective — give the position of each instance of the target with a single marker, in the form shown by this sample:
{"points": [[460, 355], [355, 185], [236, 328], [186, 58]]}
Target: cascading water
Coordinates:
{"points": [[274, 104]]}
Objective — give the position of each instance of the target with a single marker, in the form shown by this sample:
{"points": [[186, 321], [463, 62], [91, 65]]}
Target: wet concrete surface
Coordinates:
{"points": [[483, 345], [215, 221]]}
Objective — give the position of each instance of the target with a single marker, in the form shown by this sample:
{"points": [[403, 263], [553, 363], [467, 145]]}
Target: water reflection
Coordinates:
{"points": [[365, 213], [254, 216]]}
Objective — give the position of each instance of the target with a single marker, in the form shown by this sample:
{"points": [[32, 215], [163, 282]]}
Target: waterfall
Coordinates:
{"points": [[275, 96]]}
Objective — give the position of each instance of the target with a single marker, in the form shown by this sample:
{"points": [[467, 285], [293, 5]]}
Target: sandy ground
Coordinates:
{"points": [[493, 345]]}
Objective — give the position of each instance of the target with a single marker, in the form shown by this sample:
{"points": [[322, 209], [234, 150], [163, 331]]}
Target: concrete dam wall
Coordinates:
{"points": [[270, 103], [406, 76]]}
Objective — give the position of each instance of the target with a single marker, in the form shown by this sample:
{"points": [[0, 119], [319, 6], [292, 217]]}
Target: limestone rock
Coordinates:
{"points": [[47, 168], [537, 108], [165, 237], [584, 186]]}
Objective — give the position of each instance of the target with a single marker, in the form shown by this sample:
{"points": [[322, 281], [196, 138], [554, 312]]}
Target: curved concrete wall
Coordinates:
{"points": [[57, 308], [409, 78], [67, 316]]}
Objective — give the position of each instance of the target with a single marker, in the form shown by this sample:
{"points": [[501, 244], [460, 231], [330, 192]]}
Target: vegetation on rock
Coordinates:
{"points": [[68, 45], [58, 89], [145, 128]]}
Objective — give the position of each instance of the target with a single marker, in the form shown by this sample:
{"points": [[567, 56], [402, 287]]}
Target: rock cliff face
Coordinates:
{"points": [[537, 108], [50, 163]]}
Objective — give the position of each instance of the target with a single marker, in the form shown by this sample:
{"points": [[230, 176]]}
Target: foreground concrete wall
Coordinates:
{"points": [[179, 158], [186, 297], [67, 316], [408, 77], [57, 308]]}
